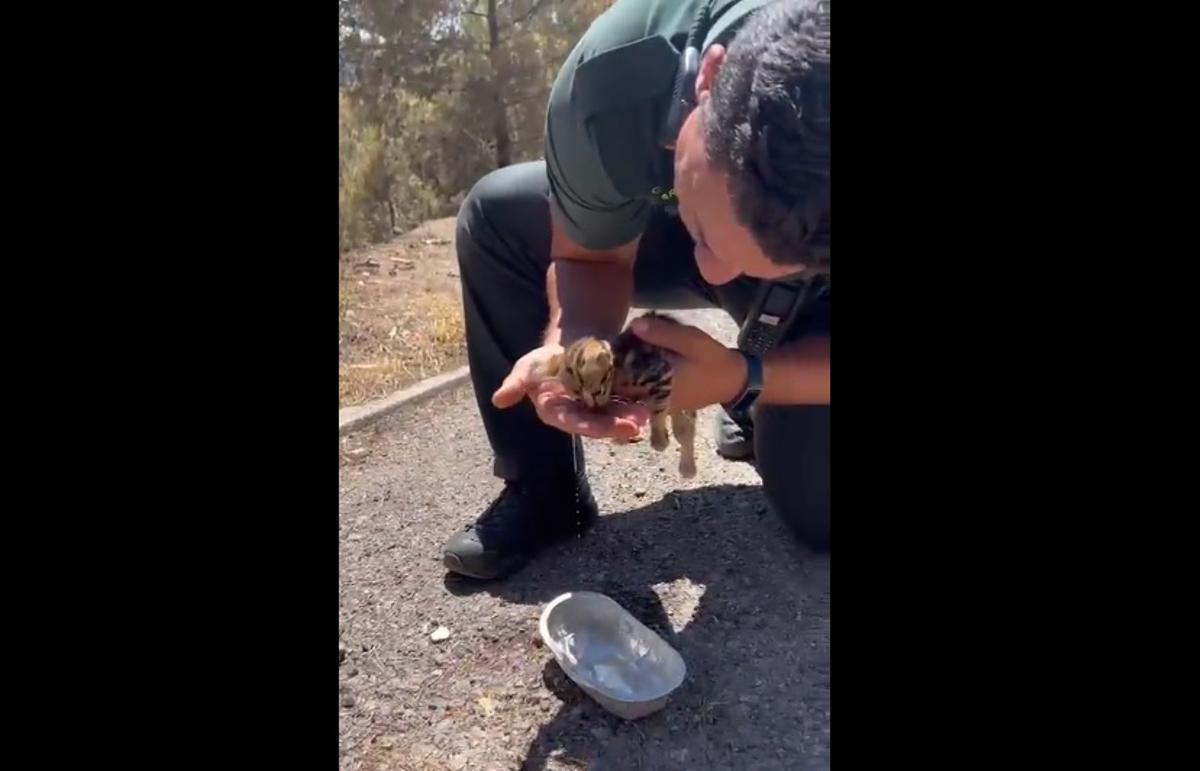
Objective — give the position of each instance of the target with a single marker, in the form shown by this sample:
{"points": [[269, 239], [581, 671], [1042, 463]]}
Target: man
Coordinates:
{"points": [[641, 202]]}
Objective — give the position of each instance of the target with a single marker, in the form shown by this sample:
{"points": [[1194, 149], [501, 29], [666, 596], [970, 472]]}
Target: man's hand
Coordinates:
{"points": [[556, 407], [705, 372]]}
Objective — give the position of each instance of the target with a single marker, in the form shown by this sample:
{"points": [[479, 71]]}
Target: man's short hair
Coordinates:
{"points": [[767, 126]]}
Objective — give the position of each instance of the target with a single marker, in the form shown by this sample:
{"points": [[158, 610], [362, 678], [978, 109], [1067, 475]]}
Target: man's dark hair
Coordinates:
{"points": [[768, 128]]}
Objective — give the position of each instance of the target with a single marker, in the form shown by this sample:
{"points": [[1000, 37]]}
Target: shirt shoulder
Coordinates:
{"points": [[604, 156]]}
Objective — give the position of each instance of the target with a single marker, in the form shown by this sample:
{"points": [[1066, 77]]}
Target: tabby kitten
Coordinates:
{"points": [[593, 370]]}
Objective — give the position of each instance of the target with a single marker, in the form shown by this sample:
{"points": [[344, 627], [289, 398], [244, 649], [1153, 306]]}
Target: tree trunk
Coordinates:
{"points": [[392, 217], [500, 129]]}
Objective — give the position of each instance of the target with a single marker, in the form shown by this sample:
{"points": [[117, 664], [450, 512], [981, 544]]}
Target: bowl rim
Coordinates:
{"points": [[544, 631]]}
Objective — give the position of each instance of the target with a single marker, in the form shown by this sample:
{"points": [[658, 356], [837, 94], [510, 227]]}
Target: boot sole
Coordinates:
{"points": [[745, 453], [505, 567]]}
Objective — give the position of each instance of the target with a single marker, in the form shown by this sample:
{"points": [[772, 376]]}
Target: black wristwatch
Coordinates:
{"points": [[753, 387]]}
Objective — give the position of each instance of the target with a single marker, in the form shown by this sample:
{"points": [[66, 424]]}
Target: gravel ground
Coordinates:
{"points": [[702, 561]]}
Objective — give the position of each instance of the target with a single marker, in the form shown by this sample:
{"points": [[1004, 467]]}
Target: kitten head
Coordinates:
{"points": [[587, 371]]}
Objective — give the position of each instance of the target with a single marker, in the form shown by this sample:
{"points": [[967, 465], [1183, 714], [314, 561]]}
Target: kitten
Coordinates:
{"points": [[593, 370]]}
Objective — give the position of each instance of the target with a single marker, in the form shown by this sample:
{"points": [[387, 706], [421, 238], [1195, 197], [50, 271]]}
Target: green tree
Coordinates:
{"points": [[439, 92]]}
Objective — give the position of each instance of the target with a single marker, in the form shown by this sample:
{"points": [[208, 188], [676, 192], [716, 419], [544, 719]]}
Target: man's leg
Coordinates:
{"points": [[791, 446], [503, 245], [792, 452]]}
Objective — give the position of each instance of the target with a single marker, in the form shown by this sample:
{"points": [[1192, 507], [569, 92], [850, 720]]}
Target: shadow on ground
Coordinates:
{"points": [[751, 606]]}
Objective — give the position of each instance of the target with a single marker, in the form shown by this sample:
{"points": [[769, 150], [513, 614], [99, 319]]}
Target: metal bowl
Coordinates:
{"points": [[612, 656]]}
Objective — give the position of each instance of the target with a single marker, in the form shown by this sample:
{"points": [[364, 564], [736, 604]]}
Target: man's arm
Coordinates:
{"points": [[589, 291], [707, 372], [797, 373]]}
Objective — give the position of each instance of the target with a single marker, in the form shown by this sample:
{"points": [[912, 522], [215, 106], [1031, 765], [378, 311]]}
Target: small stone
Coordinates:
{"points": [[348, 700], [352, 671], [439, 634], [341, 652], [536, 640], [600, 732], [639, 493]]}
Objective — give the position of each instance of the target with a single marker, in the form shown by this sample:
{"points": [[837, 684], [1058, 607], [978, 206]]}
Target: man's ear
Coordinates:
{"points": [[710, 64]]}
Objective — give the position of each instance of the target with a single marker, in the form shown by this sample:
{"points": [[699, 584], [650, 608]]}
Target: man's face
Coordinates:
{"points": [[725, 249]]}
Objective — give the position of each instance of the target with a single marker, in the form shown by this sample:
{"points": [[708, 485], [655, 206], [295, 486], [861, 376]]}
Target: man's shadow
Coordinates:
{"points": [[756, 645]]}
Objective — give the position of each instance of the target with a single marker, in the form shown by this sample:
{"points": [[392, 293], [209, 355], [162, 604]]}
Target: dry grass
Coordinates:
{"points": [[396, 328], [426, 340]]}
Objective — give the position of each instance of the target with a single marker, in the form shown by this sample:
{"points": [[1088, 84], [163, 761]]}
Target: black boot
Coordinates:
{"points": [[735, 436], [524, 519]]}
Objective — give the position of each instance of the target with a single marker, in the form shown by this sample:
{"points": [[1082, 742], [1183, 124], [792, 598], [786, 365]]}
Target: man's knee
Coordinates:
{"points": [[485, 195], [792, 450], [474, 215], [502, 205]]}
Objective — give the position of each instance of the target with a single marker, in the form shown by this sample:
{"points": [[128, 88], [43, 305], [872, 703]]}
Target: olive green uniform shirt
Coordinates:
{"points": [[605, 157]]}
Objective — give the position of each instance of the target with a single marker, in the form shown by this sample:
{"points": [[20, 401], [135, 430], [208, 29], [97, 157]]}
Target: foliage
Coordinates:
{"points": [[434, 94]]}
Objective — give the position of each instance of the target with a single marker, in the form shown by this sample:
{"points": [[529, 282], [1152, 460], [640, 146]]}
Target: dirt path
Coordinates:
{"points": [[702, 561]]}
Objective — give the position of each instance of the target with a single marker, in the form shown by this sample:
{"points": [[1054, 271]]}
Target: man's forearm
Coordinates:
{"points": [[797, 373], [587, 298]]}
